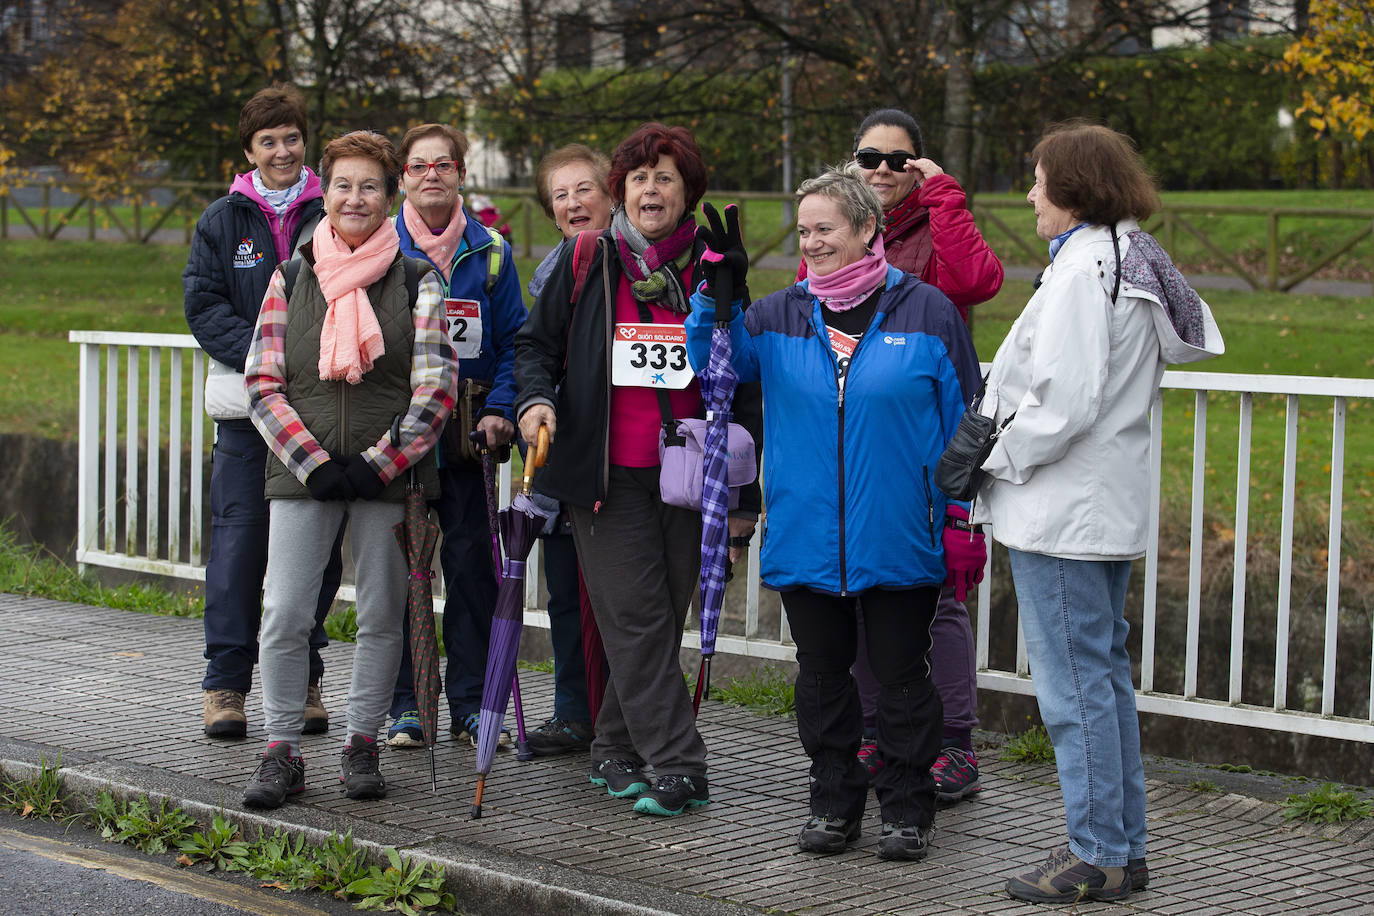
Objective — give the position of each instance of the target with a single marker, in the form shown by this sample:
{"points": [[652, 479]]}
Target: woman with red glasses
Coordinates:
{"points": [[928, 231], [483, 309]]}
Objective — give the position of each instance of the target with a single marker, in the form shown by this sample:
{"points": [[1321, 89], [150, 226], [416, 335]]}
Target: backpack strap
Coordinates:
{"points": [[495, 251], [290, 270], [584, 250]]}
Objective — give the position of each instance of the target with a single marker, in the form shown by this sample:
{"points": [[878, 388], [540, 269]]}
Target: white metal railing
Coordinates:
{"points": [[150, 500]]}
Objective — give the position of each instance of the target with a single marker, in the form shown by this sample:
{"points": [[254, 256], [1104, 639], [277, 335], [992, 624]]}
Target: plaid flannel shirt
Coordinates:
{"points": [[433, 379]]}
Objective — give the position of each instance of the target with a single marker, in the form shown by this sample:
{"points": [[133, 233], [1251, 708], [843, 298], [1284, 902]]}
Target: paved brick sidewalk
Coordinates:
{"points": [[123, 688]]}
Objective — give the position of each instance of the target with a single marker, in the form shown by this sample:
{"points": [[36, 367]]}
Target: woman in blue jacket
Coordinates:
{"points": [[864, 370], [484, 310]]}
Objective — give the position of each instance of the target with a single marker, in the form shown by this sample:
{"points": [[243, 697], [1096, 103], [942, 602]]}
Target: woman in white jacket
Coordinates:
{"points": [[1067, 484]]}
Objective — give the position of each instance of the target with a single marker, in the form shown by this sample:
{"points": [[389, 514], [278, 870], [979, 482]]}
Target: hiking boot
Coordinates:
{"points": [[956, 775], [621, 778], [826, 834], [468, 727], [406, 730], [870, 758], [359, 774], [1139, 872], [224, 716], [905, 842], [559, 736], [316, 716], [277, 776], [1065, 878], [672, 794]]}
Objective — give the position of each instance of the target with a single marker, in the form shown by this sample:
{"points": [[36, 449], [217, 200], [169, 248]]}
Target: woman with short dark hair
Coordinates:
{"points": [[640, 556], [350, 379], [1067, 486]]}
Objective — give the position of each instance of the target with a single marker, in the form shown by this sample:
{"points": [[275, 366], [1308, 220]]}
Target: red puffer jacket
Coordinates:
{"points": [[931, 234]]}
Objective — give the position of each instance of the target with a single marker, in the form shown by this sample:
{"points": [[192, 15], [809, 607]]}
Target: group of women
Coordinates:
{"points": [[854, 379]]}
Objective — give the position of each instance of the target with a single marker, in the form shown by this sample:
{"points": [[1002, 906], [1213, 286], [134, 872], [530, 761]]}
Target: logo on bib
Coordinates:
{"points": [[245, 257]]}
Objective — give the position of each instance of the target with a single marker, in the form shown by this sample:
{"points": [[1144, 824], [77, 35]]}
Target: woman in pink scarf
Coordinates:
{"points": [[350, 348]]}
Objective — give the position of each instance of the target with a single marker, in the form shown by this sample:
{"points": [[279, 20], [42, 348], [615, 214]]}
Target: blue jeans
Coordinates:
{"points": [[470, 602], [565, 630], [237, 562], [1073, 617]]}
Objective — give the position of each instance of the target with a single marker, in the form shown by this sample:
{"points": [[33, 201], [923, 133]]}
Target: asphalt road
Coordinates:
{"points": [[68, 870]]}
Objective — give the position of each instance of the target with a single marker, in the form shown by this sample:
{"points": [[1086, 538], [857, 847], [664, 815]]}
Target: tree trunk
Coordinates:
{"points": [[958, 152]]}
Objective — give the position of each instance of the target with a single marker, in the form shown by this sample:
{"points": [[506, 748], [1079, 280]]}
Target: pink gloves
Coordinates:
{"points": [[966, 552]]}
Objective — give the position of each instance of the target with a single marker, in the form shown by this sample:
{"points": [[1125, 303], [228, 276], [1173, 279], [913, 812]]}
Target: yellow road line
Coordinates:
{"points": [[247, 899]]}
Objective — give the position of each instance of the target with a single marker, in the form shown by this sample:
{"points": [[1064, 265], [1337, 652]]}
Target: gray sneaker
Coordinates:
{"points": [[1065, 878], [622, 778], [904, 842], [359, 773]]}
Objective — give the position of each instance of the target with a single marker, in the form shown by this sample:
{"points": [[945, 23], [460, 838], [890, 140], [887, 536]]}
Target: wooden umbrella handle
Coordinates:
{"points": [[535, 458]]}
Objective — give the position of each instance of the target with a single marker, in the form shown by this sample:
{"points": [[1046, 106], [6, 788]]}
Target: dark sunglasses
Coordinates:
{"points": [[869, 158]]}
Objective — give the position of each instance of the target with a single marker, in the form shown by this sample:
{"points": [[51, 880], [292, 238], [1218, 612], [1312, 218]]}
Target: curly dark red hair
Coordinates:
{"points": [[646, 145]]}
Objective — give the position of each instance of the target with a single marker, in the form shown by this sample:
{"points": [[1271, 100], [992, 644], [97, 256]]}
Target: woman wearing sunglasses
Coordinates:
{"points": [[929, 232], [483, 309]]}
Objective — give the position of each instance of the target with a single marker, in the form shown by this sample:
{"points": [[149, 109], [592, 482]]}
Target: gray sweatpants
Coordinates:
{"points": [[640, 560], [300, 538]]}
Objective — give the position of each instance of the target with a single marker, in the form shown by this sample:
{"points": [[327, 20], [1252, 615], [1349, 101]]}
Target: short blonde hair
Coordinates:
{"points": [[845, 185], [566, 155], [368, 145]]}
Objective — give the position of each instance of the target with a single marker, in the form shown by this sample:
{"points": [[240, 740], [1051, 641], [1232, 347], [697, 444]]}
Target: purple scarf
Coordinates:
{"points": [[654, 272]]}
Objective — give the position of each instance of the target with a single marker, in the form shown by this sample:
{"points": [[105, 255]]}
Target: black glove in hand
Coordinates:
{"points": [[364, 481], [725, 248], [329, 481]]}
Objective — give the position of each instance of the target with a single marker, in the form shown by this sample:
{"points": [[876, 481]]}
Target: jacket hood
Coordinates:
{"points": [[243, 184], [1187, 331]]}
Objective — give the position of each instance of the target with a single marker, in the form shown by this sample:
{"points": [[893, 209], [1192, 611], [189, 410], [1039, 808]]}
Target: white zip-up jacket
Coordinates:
{"points": [[1069, 476]]}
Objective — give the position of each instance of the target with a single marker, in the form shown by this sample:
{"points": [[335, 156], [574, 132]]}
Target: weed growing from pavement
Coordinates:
{"points": [[1204, 785], [404, 885], [1031, 746], [764, 691], [40, 796], [337, 867], [342, 626], [220, 847], [545, 666], [1327, 804], [147, 827]]}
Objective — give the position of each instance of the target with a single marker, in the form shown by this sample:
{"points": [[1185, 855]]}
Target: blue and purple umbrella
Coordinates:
{"points": [[519, 523]]}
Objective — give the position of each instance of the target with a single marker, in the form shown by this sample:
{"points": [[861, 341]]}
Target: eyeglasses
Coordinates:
{"points": [[421, 169], [869, 158]]}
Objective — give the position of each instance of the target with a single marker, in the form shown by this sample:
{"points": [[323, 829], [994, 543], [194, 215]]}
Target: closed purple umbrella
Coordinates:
{"points": [[718, 380], [520, 524]]}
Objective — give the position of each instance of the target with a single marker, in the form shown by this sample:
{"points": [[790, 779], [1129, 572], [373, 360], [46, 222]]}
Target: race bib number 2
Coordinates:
{"points": [[464, 327], [650, 356]]}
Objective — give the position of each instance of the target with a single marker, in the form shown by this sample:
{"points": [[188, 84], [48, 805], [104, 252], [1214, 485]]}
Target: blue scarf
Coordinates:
{"points": [[1058, 241], [280, 200]]}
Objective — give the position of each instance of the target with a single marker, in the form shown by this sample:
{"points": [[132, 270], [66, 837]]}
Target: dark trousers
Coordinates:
{"points": [[829, 719], [565, 629], [237, 563], [470, 596], [640, 559]]}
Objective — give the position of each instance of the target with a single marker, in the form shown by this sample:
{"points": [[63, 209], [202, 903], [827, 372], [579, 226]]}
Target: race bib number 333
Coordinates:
{"points": [[650, 356]]}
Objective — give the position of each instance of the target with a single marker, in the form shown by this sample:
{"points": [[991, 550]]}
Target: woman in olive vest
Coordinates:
{"points": [[350, 340]]}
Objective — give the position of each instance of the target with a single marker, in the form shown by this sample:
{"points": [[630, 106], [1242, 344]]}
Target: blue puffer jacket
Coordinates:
{"points": [[232, 259], [503, 311], [849, 493]]}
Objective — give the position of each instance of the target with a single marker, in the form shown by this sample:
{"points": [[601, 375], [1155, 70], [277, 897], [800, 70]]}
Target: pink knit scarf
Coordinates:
{"points": [[351, 338], [438, 248], [851, 284]]}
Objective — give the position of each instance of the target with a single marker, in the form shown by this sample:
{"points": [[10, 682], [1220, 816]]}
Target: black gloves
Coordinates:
{"points": [[725, 250], [364, 481], [329, 481]]}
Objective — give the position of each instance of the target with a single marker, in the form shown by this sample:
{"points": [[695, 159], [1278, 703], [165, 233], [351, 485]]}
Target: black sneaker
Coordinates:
{"points": [[1139, 872], [277, 776], [1065, 878], [360, 776], [559, 736], [621, 778], [906, 842], [672, 794], [826, 834]]}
